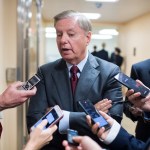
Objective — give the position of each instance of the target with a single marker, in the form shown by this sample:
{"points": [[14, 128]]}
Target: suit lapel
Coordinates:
{"points": [[61, 79], [87, 78]]}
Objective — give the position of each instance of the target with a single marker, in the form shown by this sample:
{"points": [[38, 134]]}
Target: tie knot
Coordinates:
{"points": [[74, 69]]}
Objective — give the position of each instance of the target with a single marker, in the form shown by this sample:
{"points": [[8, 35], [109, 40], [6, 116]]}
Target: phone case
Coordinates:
{"points": [[53, 116]]}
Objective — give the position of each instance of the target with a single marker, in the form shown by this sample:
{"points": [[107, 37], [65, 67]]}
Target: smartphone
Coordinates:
{"points": [[132, 84], [28, 85], [89, 109], [53, 116], [70, 134]]}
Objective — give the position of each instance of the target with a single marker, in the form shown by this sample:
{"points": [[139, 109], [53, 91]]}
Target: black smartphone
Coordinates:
{"points": [[89, 109], [53, 116], [70, 134], [132, 84], [28, 85]]}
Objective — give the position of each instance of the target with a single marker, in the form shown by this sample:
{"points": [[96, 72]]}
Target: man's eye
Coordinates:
{"points": [[71, 35], [59, 35]]}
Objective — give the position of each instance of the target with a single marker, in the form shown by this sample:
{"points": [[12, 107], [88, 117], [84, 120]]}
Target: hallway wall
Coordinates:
{"points": [[8, 59], [135, 36]]}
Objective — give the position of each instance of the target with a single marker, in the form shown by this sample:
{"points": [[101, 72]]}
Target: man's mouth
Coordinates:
{"points": [[65, 49]]}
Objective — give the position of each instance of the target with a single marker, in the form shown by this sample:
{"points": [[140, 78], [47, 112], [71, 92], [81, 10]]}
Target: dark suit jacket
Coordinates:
{"points": [[116, 59], [140, 71], [125, 141], [95, 83], [103, 54]]}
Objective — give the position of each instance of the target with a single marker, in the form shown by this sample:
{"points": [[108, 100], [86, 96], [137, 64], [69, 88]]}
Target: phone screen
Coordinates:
{"points": [[70, 134], [89, 108], [132, 84], [32, 82], [50, 116]]}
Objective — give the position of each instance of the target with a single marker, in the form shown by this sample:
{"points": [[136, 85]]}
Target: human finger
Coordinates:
{"points": [[100, 132], [42, 124], [129, 92], [106, 107], [95, 128], [107, 117], [89, 121]]}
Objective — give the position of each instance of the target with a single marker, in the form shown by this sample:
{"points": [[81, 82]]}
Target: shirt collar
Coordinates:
{"points": [[80, 65]]}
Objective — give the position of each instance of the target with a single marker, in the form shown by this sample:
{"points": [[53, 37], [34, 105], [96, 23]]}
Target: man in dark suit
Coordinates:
{"points": [[94, 53], [139, 71], [95, 79], [103, 54], [116, 58]]}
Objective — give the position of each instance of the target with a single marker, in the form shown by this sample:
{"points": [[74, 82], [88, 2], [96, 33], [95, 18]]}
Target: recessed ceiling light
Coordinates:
{"points": [[50, 35], [104, 37], [102, 0], [50, 30], [92, 15], [108, 32]]}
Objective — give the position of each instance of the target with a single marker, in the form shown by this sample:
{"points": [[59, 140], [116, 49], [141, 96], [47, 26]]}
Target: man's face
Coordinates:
{"points": [[72, 41]]}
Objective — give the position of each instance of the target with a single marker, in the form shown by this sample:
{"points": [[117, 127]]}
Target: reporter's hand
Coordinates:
{"points": [[100, 132], [137, 100], [136, 111], [103, 105], [39, 137], [13, 97], [85, 143]]}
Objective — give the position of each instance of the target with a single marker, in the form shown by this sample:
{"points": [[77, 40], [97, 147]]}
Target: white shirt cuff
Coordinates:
{"points": [[64, 123], [112, 133]]}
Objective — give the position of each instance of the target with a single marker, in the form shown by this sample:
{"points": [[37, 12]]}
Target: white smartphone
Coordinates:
{"points": [[28, 85], [52, 116]]}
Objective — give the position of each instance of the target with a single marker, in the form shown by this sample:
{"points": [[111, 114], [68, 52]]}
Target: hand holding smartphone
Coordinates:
{"points": [[132, 84], [52, 116], [89, 109], [70, 134]]}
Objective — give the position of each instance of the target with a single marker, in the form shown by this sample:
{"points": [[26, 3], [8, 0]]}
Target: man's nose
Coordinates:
{"points": [[64, 38]]}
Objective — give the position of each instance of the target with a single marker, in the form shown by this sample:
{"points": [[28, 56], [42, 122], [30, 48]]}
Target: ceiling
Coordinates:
{"points": [[119, 12]]}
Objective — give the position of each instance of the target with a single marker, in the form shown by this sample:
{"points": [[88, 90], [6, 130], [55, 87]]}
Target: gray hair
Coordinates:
{"points": [[83, 22]]}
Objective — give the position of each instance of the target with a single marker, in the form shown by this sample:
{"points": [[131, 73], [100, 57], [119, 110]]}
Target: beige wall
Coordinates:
{"points": [[135, 34], [7, 59]]}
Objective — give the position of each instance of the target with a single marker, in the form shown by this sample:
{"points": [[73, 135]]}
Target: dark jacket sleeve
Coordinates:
{"points": [[126, 141]]}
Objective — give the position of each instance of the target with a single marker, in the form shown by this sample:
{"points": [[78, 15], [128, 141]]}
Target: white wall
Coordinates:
{"points": [[52, 53]]}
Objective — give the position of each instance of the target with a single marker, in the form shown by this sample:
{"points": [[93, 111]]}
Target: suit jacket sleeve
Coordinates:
{"points": [[126, 141]]}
